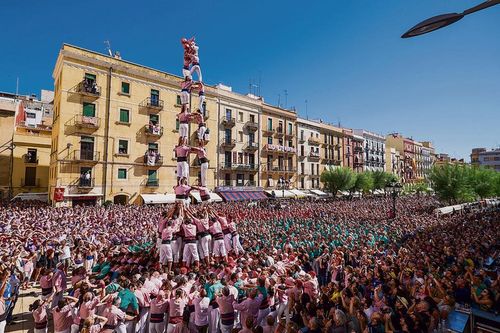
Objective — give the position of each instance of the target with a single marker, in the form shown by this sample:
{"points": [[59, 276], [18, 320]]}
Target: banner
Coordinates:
{"points": [[59, 194]]}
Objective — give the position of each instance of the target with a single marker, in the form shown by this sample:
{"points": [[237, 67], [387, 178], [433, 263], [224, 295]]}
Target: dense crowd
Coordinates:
{"points": [[302, 266]]}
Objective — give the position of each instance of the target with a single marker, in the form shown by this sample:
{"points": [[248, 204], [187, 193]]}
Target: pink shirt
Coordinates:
{"points": [[225, 303], [46, 282], [248, 308], [87, 309], [40, 314], [186, 85], [114, 315], [201, 310], [215, 228], [60, 282], [189, 231], [202, 153], [176, 307], [182, 189], [183, 117], [223, 222], [202, 224], [63, 319], [159, 306], [182, 151]]}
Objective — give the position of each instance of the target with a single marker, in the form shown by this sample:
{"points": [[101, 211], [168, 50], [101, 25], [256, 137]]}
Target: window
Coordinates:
{"points": [[251, 137], [227, 179], [31, 156], [317, 169], [302, 167], [154, 119], [280, 141], [269, 124], [269, 140], [125, 88], [290, 143], [302, 150], [124, 116], [177, 124], [227, 135], [30, 115], [179, 100], [240, 136], [239, 179], [153, 147], [240, 117], [240, 158], [122, 173], [290, 128], [122, 147], [312, 169], [89, 76], [252, 118], [301, 134], [155, 97], [152, 176], [88, 109], [229, 113]]}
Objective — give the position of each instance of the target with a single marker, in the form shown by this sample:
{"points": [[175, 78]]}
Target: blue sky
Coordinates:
{"points": [[345, 57]]}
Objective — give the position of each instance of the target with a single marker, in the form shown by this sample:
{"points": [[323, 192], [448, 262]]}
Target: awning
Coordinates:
{"points": [[242, 195], [299, 193], [318, 192], [196, 195], [72, 195], [158, 198], [281, 193]]}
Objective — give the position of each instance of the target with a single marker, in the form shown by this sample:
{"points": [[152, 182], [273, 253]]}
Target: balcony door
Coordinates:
{"points": [[88, 110], [155, 97], [227, 136], [251, 160], [229, 113], [227, 158], [87, 148], [30, 176], [85, 176]]}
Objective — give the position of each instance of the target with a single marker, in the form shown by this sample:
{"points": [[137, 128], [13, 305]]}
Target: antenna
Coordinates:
{"points": [[17, 86], [108, 47], [279, 100], [286, 98], [307, 117]]}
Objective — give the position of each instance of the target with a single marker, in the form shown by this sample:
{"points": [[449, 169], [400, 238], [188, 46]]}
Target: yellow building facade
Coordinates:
{"points": [[278, 147], [115, 129]]}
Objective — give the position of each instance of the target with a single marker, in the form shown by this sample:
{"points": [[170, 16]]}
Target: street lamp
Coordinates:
{"points": [[393, 188], [281, 183], [443, 20]]}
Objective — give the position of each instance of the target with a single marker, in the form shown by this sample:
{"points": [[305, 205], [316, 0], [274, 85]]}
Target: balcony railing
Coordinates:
{"points": [[251, 146], [30, 182], [302, 139], [314, 156], [152, 182], [85, 182], [153, 130], [289, 135], [279, 149], [228, 143], [153, 159], [252, 126], [279, 132], [87, 121], [277, 169], [267, 132], [85, 156], [30, 159], [314, 141], [88, 87], [152, 104], [228, 121]]}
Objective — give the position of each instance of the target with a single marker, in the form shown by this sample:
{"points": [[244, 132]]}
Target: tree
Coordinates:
{"points": [[363, 182], [380, 179], [451, 183], [481, 181], [337, 179]]}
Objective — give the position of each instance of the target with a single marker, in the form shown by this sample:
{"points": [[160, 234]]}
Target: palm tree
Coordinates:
{"points": [[337, 179]]}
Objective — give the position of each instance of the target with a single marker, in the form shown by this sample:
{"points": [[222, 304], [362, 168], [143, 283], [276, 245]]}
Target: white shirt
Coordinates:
{"points": [[66, 252], [201, 311]]}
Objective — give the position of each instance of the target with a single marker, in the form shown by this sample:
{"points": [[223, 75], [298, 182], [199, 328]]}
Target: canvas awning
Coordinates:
{"points": [[158, 198], [213, 197], [281, 193], [299, 193], [318, 192], [242, 195]]}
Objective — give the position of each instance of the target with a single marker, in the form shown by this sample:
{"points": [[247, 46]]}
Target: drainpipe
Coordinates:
{"points": [[217, 167], [106, 134]]}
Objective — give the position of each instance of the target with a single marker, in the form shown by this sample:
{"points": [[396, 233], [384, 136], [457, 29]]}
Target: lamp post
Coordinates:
{"points": [[443, 20], [281, 183], [393, 188]]}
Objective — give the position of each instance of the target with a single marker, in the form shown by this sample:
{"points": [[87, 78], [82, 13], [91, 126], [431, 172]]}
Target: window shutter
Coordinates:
{"points": [[88, 110]]}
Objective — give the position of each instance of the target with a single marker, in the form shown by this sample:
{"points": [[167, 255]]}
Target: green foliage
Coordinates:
{"points": [[337, 179], [363, 182], [463, 183]]}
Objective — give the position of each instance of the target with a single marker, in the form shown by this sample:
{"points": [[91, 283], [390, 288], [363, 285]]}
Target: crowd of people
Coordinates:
{"points": [[328, 266]]}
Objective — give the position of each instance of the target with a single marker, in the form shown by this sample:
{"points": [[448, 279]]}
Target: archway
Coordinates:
{"points": [[120, 199]]}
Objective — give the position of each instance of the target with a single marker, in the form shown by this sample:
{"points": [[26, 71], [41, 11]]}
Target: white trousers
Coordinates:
{"points": [[176, 249], [281, 308], [43, 330], [130, 326], [183, 130], [237, 245], [262, 315], [190, 253], [201, 132], [201, 101], [228, 242], [3, 323], [204, 246], [186, 72], [197, 69], [213, 319], [183, 169], [166, 254], [184, 97], [157, 327], [203, 172], [142, 324], [219, 249]]}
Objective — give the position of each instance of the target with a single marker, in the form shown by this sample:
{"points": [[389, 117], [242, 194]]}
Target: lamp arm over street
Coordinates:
{"points": [[481, 6]]}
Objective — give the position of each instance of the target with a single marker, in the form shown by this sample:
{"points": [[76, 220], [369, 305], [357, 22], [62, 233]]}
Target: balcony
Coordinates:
{"points": [[228, 122], [289, 135], [277, 169], [267, 132], [84, 183], [279, 149], [82, 121], [301, 156], [30, 182], [30, 159], [314, 141], [251, 146], [246, 167], [228, 143], [279, 132], [302, 139], [153, 130], [152, 182], [153, 159], [252, 126], [84, 156], [87, 87], [153, 104], [313, 156]]}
